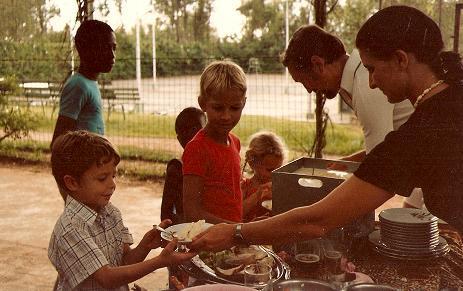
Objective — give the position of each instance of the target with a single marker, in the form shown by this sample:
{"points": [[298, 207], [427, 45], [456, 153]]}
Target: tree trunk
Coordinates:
{"points": [[321, 117]]}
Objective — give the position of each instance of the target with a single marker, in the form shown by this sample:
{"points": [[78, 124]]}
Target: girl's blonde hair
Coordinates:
{"points": [[220, 76], [264, 143]]}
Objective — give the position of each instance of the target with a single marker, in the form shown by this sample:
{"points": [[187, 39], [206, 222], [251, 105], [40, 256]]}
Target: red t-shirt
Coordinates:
{"points": [[219, 166]]}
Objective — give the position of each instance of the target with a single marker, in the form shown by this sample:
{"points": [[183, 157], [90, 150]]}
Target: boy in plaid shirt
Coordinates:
{"points": [[90, 246]]}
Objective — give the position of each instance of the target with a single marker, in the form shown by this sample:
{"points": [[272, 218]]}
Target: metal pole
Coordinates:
{"points": [[137, 55], [90, 9], [286, 44], [71, 42], [440, 13], [153, 36], [456, 33]]}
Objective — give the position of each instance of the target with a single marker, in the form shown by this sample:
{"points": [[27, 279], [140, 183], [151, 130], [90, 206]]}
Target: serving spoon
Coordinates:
{"points": [[168, 233]]}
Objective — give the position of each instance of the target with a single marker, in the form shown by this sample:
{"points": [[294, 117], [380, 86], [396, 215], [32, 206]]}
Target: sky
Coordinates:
{"points": [[225, 19]]}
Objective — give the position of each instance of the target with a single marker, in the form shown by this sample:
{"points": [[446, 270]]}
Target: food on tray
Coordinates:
{"points": [[232, 262], [307, 258], [191, 230]]}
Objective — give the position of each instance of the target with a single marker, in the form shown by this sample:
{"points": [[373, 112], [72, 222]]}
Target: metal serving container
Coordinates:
{"points": [[300, 285], [370, 287], [306, 180], [197, 269]]}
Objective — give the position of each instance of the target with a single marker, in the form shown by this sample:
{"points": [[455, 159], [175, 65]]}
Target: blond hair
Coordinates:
{"points": [[221, 76], [264, 143]]}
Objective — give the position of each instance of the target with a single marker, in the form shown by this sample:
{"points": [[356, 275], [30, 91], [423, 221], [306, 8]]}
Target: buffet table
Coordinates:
{"points": [[436, 274], [445, 272]]}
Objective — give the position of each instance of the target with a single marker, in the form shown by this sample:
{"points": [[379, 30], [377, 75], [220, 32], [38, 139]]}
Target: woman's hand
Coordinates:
{"points": [[215, 238]]}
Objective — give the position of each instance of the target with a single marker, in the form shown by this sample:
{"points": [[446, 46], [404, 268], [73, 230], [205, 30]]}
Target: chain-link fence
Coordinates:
{"points": [[140, 112]]}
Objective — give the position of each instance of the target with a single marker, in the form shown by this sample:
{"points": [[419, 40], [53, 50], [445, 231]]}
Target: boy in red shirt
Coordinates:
{"points": [[211, 160]]}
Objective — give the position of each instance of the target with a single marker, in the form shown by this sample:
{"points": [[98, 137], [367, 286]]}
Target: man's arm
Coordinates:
{"points": [[193, 210], [63, 125]]}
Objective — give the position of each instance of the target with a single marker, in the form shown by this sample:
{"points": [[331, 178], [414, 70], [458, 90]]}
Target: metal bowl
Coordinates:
{"points": [[370, 287], [301, 285], [281, 271]]}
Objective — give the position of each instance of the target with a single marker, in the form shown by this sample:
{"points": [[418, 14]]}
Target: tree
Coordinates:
{"points": [[25, 19], [188, 20], [321, 116], [14, 122]]}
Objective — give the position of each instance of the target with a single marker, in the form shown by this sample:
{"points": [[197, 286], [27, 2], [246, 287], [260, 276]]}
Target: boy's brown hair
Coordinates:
{"points": [[219, 77], [75, 152]]}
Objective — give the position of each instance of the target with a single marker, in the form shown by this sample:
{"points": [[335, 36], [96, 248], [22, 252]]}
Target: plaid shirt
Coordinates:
{"points": [[83, 241]]}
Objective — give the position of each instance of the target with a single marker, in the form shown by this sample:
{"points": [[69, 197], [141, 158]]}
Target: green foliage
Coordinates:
{"points": [[15, 122], [25, 20], [185, 20]]}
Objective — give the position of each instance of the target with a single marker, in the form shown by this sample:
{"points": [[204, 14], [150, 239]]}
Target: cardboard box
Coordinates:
{"points": [[306, 180], [292, 187]]}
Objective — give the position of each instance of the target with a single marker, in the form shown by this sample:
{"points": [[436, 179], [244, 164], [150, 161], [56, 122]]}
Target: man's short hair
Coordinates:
{"points": [[222, 76], [310, 40], [89, 33], [75, 152]]}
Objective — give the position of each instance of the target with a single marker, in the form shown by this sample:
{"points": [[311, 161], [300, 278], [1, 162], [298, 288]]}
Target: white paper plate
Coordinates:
{"points": [[407, 216], [267, 204], [178, 227]]}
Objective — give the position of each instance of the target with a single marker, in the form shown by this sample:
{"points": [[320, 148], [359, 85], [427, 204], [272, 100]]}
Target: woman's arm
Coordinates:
{"points": [[193, 210], [351, 199]]}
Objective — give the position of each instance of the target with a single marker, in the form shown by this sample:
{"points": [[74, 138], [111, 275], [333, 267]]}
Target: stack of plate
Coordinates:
{"points": [[408, 233]]}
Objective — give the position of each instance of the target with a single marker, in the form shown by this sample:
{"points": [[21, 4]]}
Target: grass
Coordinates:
{"points": [[149, 163]]}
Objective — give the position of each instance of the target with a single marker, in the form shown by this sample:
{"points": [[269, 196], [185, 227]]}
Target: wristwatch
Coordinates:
{"points": [[238, 235]]}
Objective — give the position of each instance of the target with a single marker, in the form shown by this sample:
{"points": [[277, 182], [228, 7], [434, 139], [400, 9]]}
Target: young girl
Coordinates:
{"points": [[266, 152]]}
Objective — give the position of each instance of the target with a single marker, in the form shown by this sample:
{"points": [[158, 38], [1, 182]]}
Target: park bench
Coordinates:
{"points": [[39, 93], [127, 98]]}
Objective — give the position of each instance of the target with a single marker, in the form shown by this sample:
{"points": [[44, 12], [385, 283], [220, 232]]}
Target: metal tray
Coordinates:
{"points": [[197, 269]]}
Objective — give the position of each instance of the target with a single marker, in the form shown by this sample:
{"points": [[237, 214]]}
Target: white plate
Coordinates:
{"points": [[407, 216], [178, 227], [267, 204], [375, 239]]}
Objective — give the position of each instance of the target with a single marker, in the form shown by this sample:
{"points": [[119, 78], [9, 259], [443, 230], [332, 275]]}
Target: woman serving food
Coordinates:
{"points": [[402, 49]]}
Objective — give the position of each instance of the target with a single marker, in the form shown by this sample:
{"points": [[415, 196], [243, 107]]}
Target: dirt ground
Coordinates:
{"points": [[29, 206]]}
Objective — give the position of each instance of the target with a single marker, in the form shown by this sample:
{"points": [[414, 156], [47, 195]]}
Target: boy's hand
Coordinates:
{"points": [[172, 258], [152, 239], [265, 191]]}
